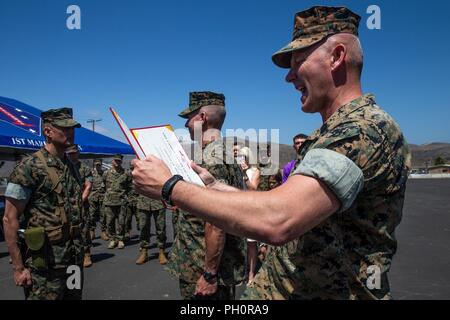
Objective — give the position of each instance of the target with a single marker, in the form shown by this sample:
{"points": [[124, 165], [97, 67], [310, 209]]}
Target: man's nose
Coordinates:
{"points": [[290, 77]]}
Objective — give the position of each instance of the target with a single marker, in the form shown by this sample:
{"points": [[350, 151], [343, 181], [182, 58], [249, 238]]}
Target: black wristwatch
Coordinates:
{"points": [[209, 277], [167, 188]]}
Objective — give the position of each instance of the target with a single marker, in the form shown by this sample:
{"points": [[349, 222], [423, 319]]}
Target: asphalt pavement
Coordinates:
{"points": [[420, 269]]}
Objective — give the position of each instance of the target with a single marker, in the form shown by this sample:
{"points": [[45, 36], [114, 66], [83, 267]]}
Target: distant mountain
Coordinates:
{"points": [[421, 154]]}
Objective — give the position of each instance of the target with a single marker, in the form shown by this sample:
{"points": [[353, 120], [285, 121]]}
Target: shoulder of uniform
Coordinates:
{"points": [[347, 129], [216, 152], [29, 161]]}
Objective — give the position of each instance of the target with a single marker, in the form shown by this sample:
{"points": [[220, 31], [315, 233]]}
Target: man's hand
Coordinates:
{"points": [[149, 176], [244, 166], [22, 277], [207, 178], [204, 288]]}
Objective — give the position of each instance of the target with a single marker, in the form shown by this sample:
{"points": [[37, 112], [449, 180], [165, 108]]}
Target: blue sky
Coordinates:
{"points": [[143, 58]]}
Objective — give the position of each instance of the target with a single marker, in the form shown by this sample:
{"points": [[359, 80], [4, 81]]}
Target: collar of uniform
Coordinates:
{"points": [[212, 142], [52, 161], [119, 171], [339, 116]]}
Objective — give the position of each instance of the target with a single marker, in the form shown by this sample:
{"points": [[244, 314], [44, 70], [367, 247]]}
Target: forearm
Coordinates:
{"points": [[86, 191], [215, 243], [11, 226], [219, 186], [239, 213], [252, 256], [273, 217]]}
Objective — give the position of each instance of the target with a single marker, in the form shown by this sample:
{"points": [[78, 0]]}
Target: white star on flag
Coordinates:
{"points": [[32, 130], [18, 110], [24, 117]]}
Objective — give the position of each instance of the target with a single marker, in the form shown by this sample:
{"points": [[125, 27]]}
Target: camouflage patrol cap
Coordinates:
{"points": [[118, 157], [201, 99], [62, 117], [97, 161], [314, 25], [72, 149]]}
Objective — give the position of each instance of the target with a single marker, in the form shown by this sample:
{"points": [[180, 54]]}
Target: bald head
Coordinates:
{"points": [[215, 116]]}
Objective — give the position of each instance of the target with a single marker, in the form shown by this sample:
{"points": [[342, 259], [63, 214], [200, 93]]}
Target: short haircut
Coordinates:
{"points": [[216, 115], [300, 136]]}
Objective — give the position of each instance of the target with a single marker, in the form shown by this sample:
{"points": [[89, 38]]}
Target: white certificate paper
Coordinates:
{"points": [[161, 142]]}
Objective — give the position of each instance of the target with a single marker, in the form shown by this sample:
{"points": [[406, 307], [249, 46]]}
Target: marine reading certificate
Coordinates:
{"points": [[161, 142]]}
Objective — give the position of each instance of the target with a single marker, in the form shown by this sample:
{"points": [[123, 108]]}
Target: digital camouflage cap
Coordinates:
{"points": [[201, 99], [314, 25], [118, 157], [62, 117]]}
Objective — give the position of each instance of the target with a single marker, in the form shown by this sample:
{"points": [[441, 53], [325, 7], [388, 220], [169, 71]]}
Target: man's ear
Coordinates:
{"points": [[204, 119], [47, 130], [338, 56]]}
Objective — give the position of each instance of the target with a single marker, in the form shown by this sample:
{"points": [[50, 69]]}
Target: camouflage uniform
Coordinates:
{"points": [[331, 261], [117, 185], [148, 208], [131, 206], [187, 257], [175, 213], [264, 183], [85, 175], [96, 196], [64, 246]]}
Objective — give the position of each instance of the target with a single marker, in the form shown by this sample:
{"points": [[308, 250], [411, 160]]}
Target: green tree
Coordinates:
{"points": [[439, 160]]}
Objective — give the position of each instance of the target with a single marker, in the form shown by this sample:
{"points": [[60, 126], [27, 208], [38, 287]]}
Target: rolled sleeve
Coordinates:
{"points": [[338, 172], [18, 192]]}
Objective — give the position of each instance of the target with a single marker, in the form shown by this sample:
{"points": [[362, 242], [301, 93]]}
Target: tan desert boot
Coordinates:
{"points": [[162, 257], [87, 262], [143, 256], [104, 237]]}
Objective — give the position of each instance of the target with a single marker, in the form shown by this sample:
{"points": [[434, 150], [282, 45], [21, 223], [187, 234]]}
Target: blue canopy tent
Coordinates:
{"points": [[20, 132]]}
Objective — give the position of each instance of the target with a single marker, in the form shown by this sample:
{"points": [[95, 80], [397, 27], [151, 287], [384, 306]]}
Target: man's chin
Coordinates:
{"points": [[307, 108]]}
